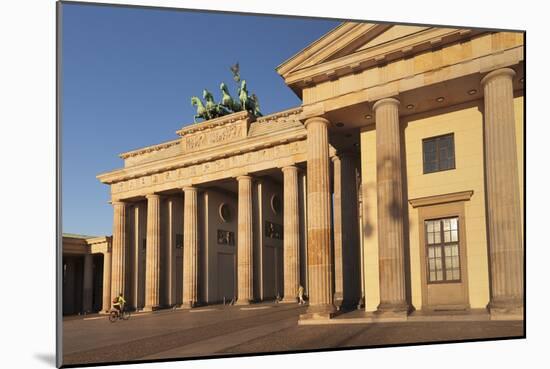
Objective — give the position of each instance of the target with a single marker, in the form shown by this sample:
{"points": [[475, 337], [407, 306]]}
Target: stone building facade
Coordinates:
{"points": [[396, 185], [86, 278]]}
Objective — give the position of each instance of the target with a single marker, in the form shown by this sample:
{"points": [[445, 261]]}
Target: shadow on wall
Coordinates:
{"points": [[397, 208]]}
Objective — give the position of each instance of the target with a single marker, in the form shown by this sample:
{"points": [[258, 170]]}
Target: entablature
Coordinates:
{"points": [[361, 47], [454, 74], [273, 140]]}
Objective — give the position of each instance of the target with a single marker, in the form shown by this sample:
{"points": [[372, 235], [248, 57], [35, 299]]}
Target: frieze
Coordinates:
{"points": [[214, 137], [217, 165]]}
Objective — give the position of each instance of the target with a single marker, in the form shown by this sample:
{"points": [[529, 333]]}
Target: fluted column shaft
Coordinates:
{"points": [[118, 266], [152, 251], [347, 271], [503, 199], [291, 238], [390, 207], [190, 248], [107, 264], [319, 217], [87, 284], [245, 240]]}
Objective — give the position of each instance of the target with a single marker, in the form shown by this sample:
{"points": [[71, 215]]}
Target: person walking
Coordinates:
{"points": [[301, 295]]}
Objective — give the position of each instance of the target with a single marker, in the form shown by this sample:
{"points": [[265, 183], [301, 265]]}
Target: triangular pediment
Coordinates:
{"points": [[347, 39], [351, 45], [382, 35]]}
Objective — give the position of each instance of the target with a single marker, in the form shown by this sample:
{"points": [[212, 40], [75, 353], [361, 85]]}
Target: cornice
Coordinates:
{"points": [[148, 149], [279, 115], [347, 43], [441, 199], [212, 123], [311, 49]]}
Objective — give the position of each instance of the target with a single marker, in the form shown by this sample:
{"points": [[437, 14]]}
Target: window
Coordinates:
{"points": [[225, 213], [442, 246], [438, 153]]}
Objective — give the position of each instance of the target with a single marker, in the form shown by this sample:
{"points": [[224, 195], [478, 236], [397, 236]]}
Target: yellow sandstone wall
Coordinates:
{"points": [[466, 122], [369, 230]]}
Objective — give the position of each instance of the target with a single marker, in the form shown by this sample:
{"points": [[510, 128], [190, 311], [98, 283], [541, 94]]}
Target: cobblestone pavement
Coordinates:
{"points": [[218, 330]]}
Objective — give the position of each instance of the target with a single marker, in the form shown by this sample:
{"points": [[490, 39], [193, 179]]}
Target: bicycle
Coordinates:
{"points": [[114, 315]]}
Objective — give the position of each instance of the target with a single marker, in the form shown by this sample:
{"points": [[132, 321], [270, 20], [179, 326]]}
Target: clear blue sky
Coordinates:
{"points": [[128, 75]]}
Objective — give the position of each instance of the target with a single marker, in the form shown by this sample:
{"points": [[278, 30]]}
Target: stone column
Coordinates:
{"points": [[390, 206], [346, 233], [105, 307], [291, 237], [152, 253], [118, 268], [136, 256], [244, 240], [190, 248], [168, 272], [87, 283], [337, 221], [503, 199], [303, 233], [319, 219]]}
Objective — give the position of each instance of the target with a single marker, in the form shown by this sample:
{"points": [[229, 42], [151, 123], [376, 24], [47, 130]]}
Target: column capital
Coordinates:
{"points": [[316, 120], [388, 100], [118, 203], [189, 189], [502, 72], [152, 196], [290, 168], [244, 177]]}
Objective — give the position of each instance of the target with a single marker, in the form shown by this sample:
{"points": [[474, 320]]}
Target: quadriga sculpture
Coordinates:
{"points": [[227, 101], [227, 104], [201, 110]]}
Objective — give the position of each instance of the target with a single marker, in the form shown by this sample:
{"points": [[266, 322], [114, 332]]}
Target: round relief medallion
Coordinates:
{"points": [[276, 204], [225, 212]]}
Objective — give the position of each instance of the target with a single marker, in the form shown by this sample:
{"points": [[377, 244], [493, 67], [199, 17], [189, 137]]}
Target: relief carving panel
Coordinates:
{"points": [[214, 137]]}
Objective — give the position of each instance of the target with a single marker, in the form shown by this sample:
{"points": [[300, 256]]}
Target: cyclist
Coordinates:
{"points": [[118, 303]]}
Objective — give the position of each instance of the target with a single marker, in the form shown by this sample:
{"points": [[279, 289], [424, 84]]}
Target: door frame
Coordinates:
{"points": [[437, 207]]}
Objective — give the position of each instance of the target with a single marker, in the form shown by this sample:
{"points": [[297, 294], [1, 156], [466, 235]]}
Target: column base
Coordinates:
{"points": [[243, 302], [189, 305], [393, 311], [506, 309], [319, 312], [344, 305]]}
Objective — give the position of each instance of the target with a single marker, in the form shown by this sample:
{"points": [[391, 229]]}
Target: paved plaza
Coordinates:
{"points": [[268, 327]]}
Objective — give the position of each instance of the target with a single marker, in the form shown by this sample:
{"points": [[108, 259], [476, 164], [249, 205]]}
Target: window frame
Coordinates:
{"points": [[442, 245], [436, 139]]}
